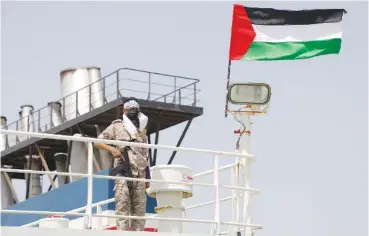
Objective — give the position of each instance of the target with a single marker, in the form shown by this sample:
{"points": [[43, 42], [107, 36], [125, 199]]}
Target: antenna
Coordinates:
{"points": [[254, 99]]}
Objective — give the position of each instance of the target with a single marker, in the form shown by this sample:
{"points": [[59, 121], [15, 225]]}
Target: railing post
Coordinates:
{"points": [[217, 197], [89, 98], [76, 104], [64, 116], [237, 192], [88, 219], [246, 169], [175, 88], [118, 92], [104, 85], [149, 95], [17, 129], [194, 94], [179, 97], [28, 124], [39, 121], [246, 197], [234, 192], [51, 117]]}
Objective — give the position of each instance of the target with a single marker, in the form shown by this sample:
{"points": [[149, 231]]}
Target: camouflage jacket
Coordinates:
{"points": [[137, 155]]}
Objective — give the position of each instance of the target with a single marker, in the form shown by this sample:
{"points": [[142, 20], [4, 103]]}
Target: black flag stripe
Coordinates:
{"points": [[270, 16]]}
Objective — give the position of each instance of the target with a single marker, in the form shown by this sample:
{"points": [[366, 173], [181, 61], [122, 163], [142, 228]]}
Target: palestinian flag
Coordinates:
{"points": [[267, 34]]}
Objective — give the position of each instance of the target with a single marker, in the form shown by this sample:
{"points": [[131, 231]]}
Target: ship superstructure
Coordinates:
{"points": [[56, 141]]}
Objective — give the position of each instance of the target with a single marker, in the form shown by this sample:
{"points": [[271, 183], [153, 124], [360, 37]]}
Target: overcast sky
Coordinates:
{"points": [[311, 147]]}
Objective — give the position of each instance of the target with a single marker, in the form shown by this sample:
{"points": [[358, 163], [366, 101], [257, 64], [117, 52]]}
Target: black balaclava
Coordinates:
{"points": [[132, 114], [132, 110]]}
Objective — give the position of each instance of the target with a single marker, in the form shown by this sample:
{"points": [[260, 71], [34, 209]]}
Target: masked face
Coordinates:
{"points": [[132, 114]]}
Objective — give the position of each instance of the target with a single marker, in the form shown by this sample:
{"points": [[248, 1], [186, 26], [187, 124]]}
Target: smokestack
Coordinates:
{"points": [[26, 120], [78, 79], [55, 114], [61, 163], [105, 158], [97, 98], [79, 158], [35, 187], [3, 137]]}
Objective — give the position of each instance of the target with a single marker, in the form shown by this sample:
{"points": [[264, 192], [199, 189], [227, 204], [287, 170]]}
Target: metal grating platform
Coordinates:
{"points": [[167, 100]]}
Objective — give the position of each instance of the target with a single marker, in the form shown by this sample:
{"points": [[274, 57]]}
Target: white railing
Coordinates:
{"points": [[88, 209]]}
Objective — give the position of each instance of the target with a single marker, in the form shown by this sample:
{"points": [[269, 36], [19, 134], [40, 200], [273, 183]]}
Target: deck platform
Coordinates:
{"points": [[164, 107]]}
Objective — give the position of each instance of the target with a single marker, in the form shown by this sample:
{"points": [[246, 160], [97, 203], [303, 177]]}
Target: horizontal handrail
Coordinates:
{"points": [[175, 91], [107, 201], [90, 175], [115, 142], [161, 74], [127, 217], [111, 200], [208, 203], [212, 171], [125, 178], [117, 72]]}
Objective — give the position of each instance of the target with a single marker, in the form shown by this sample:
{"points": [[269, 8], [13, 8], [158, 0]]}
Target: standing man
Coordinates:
{"points": [[130, 196]]}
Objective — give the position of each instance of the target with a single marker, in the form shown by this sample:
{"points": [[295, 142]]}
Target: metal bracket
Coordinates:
{"points": [[180, 140], [28, 184], [150, 153], [44, 163], [156, 141]]}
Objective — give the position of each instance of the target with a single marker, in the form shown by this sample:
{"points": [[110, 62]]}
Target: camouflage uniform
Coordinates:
{"points": [[124, 205]]}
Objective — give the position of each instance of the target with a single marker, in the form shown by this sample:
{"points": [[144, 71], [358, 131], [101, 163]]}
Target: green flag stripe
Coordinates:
{"points": [[268, 51]]}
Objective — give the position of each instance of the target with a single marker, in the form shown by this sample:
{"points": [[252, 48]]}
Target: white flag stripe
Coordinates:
{"points": [[297, 33]]}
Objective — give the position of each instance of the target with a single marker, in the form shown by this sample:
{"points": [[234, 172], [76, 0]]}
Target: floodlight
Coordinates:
{"points": [[249, 93]]}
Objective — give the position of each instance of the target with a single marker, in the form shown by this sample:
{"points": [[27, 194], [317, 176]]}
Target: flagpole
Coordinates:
{"points": [[228, 81]]}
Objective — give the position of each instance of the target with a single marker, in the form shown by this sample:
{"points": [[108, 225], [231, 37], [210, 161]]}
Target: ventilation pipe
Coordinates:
{"points": [[76, 91], [35, 187], [105, 159], [61, 164], [3, 137], [26, 120], [169, 196], [79, 159], [27, 125], [97, 98], [55, 114]]}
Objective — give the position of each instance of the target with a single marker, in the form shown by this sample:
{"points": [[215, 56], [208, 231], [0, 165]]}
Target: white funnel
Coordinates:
{"points": [[55, 114], [97, 98], [105, 158], [26, 121], [169, 196], [79, 158], [3, 137], [79, 79], [61, 163], [35, 187]]}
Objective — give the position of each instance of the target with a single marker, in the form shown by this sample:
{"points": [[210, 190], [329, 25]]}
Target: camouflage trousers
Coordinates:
{"points": [[134, 205]]}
